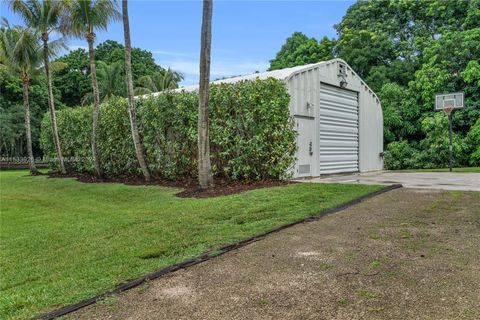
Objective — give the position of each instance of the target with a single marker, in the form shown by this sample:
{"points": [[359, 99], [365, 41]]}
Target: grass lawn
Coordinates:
{"points": [[62, 241], [465, 169]]}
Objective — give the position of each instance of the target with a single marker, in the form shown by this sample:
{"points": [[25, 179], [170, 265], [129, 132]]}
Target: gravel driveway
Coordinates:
{"points": [[407, 254]]}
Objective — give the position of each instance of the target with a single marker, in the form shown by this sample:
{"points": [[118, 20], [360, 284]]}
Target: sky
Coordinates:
{"points": [[245, 34]]}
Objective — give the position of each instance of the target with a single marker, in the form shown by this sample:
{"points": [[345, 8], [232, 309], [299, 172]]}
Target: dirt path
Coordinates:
{"points": [[407, 254]]}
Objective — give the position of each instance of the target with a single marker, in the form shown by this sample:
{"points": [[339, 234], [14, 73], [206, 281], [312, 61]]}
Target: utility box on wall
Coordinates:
{"points": [[338, 118]]}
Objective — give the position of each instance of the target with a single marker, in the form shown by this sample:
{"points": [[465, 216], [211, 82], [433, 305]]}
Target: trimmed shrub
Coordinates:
{"points": [[74, 130], [252, 134], [252, 130]]}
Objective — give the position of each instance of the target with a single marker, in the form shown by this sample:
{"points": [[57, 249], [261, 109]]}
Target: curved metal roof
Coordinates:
{"points": [[281, 74]]}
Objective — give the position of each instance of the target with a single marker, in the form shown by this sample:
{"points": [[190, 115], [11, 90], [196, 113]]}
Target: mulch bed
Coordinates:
{"points": [[190, 186]]}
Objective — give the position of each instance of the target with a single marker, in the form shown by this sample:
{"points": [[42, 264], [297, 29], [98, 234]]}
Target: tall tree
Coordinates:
{"points": [[205, 177], [143, 62], [299, 50], [45, 17], [137, 141], [86, 17], [20, 53]]}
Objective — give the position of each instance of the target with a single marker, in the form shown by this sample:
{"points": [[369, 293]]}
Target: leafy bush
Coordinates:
{"points": [[433, 150], [168, 122], [400, 155], [435, 146], [472, 142], [251, 131], [74, 129]]}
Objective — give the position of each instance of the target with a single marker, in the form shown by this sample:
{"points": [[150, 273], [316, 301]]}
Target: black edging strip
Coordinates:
{"points": [[204, 257]]}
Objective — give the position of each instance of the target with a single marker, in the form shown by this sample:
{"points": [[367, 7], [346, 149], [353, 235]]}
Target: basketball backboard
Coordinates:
{"points": [[449, 100]]}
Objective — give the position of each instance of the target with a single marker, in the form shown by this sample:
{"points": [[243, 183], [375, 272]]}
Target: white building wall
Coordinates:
{"points": [[304, 86]]}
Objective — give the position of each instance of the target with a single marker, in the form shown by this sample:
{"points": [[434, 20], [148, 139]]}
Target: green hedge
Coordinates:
{"points": [[251, 132]]}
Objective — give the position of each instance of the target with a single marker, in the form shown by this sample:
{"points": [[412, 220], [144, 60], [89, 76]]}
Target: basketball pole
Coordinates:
{"points": [[450, 151]]}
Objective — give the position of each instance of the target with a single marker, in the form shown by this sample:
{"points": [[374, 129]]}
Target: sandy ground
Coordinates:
{"points": [[407, 254]]}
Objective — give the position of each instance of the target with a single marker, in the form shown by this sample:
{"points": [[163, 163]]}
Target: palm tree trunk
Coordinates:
{"points": [[96, 105], [139, 149], [205, 178], [28, 132], [51, 104]]}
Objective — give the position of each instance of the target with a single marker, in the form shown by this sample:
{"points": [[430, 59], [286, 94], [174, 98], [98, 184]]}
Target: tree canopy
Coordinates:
{"points": [[143, 63], [73, 81], [300, 49]]}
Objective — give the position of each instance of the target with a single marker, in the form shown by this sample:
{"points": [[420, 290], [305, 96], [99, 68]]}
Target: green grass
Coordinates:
{"points": [[465, 169], [63, 241]]}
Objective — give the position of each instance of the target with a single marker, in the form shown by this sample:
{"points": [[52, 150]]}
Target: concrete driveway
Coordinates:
{"points": [[430, 180]]}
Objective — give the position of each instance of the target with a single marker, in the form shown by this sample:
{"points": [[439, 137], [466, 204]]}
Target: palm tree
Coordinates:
{"points": [[45, 17], [111, 82], [205, 178], [86, 17], [20, 54], [139, 149], [159, 81]]}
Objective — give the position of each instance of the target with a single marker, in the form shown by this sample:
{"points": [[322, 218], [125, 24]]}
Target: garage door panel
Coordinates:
{"points": [[334, 94], [339, 158], [339, 168], [333, 104], [330, 115], [330, 145], [338, 130], [332, 135]]}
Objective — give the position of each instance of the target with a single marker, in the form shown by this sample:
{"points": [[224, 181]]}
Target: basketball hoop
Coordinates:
{"points": [[447, 103], [448, 110]]}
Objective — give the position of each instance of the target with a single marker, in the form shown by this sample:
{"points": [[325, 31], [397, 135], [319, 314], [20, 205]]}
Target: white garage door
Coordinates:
{"points": [[338, 130]]}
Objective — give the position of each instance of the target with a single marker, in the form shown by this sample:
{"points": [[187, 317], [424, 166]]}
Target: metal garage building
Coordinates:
{"points": [[338, 117]]}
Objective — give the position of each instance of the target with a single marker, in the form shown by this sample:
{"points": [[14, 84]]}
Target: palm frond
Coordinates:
{"points": [[148, 83], [164, 80], [111, 80], [87, 99], [20, 50], [141, 91], [56, 46], [58, 66], [4, 23], [86, 16]]}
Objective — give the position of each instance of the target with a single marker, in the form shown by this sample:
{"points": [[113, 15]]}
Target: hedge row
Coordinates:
{"points": [[251, 132]]}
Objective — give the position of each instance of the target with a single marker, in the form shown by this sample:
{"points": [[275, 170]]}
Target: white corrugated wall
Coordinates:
{"points": [[305, 87]]}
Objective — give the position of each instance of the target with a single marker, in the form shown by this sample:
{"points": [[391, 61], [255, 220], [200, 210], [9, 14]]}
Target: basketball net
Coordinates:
{"points": [[448, 110]]}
